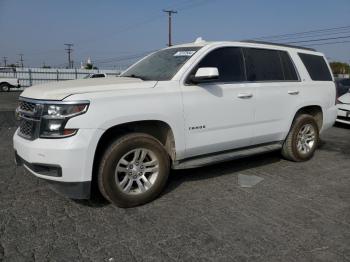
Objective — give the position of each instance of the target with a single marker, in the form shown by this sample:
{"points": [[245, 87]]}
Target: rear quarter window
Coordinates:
{"points": [[316, 66]]}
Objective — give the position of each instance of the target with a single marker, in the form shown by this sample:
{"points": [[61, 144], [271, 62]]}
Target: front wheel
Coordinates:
{"points": [[133, 170], [4, 87], [302, 140]]}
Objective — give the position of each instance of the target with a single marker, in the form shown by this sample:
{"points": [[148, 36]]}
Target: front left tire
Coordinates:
{"points": [[134, 170]]}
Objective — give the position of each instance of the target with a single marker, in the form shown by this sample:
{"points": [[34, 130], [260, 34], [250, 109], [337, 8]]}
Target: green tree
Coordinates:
{"points": [[88, 66], [340, 68]]}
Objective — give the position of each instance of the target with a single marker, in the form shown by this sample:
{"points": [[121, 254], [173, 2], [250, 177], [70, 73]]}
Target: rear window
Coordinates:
{"points": [[263, 65], [316, 66]]}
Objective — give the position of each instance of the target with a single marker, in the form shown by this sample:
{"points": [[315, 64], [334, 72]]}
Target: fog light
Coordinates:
{"points": [[52, 126]]}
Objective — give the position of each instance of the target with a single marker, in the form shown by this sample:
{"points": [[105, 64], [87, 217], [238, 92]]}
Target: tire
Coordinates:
{"points": [[300, 144], [118, 164], [5, 87]]}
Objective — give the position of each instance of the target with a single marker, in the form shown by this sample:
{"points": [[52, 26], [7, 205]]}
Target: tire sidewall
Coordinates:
{"points": [[303, 120], [3, 86], [107, 171]]}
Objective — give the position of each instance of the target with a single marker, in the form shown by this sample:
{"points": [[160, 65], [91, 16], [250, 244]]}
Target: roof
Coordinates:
{"points": [[200, 42], [277, 44]]}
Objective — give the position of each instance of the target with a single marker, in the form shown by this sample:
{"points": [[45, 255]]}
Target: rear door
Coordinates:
{"points": [[276, 82]]}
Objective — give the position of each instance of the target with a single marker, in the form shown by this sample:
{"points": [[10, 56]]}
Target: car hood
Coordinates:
{"points": [[345, 98], [62, 89]]}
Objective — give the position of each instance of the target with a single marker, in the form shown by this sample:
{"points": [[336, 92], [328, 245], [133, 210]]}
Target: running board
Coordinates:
{"points": [[227, 155]]}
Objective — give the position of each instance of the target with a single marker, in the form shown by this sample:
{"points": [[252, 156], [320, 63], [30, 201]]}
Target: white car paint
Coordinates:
{"points": [[204, 119], [9, 81], [63, 89], [344, 109]]}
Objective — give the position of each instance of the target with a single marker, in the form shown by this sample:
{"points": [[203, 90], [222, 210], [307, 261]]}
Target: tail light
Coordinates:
{"points": [[336, 94]]}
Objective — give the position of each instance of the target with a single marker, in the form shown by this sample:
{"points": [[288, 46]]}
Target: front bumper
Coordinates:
{"points": [[343, 113], [329, 117], [66, 163], [74, 190]]}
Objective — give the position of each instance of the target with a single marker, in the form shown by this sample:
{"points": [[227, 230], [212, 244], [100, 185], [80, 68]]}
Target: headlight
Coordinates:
{"points": [[55, 118]]}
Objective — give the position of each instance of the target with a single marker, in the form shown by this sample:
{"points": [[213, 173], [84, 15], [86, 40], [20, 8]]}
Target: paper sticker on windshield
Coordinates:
{"points": [[184, 53]]}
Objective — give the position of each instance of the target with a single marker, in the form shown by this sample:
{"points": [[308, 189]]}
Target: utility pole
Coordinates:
{"points": [[169, 12], [69, 51], [21, 59], [5, 60]]}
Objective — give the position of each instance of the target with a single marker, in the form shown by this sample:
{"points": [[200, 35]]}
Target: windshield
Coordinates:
{"points": [[161, 65]]}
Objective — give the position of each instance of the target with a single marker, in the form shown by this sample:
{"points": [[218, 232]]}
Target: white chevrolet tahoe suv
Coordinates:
{"points": [[181, 107]]}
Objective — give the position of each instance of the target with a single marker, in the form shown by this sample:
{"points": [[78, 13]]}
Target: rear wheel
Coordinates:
{"points": [[302, 140], [133, 170]]}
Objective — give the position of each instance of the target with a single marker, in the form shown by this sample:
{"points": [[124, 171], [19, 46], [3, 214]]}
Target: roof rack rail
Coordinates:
{"points": [[277, 44]]}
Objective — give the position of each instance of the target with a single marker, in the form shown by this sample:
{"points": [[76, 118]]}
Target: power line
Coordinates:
{"points": [[316, 40], [329, 43], [344, 31], [169, 12], [123, 58], [184, 5], [69, 51], [137, 55], [303, 33], [193, 5]]}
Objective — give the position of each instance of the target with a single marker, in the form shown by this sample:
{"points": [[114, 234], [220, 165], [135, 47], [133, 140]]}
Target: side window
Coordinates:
{"points": [[288, 67], [316, 66], [263, 65], [228, 60]]}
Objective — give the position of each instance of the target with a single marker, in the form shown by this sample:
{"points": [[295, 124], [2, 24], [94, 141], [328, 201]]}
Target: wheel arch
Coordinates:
{"points": [[314, 110], [156, 128], [5, 83]]}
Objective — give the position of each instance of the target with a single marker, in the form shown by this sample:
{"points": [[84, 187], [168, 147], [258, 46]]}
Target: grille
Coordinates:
{"points": [[29, 114], [27, 106], [27, 128]]}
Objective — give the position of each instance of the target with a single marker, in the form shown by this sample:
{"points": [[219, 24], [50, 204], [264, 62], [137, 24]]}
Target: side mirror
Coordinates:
{"points": [[205, 74]]}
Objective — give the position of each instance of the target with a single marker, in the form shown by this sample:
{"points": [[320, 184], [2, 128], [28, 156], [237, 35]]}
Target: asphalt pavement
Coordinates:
{"points": [[261, 208]]}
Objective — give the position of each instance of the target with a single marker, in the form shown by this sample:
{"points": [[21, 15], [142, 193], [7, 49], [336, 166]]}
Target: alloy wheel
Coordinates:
{"points": [[137, 171]]}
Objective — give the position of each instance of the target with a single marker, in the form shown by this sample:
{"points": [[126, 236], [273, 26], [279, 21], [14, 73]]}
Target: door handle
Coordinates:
{"points": [[245, 96], [293, 92]]}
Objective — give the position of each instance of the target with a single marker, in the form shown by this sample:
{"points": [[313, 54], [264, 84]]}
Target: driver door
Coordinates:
{"points": [[219, 115]]}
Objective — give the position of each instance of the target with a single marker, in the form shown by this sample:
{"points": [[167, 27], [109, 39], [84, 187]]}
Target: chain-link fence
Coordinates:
{"points": [[33, 76]]}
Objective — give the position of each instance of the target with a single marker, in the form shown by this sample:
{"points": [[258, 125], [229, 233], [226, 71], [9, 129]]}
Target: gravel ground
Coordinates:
{"points": [[261, 208]]}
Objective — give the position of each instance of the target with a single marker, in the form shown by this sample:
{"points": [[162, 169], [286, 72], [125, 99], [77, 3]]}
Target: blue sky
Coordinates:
{"points": [[112, 29]]}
